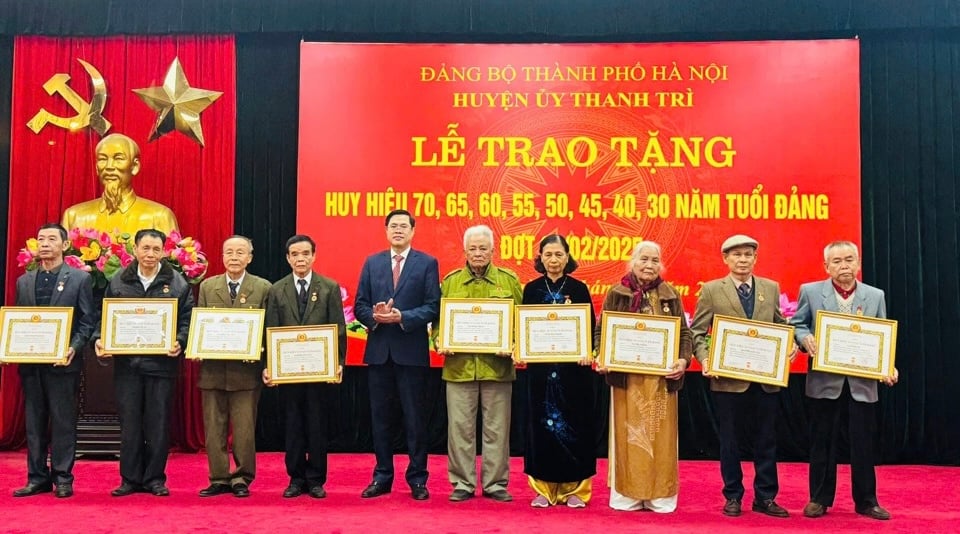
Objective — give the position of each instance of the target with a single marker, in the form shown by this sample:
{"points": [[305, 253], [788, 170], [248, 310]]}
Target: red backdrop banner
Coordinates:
{"points": [[55, 168], [607, 144]]}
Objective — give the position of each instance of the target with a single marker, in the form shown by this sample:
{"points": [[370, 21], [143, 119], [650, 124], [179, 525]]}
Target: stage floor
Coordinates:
{"points": [[920, 498]]}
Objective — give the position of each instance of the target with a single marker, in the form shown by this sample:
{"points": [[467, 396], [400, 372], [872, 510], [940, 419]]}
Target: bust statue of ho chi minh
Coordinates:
{"points": [[119, 210]]}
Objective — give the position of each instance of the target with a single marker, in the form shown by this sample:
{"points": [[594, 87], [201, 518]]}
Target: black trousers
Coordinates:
{"points": [[827, 417], [395, 389], [733, 410], [50, 401], [143, 403], [305, 408]]}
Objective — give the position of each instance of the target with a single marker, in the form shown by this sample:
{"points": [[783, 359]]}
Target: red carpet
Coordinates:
{"points": [[921, 499]]}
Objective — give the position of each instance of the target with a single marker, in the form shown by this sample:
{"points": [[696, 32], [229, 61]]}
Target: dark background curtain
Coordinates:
{"points": [[910, 92]]}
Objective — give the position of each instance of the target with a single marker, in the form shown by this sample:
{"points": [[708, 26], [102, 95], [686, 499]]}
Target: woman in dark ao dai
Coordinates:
{"points": [[559, 457]]}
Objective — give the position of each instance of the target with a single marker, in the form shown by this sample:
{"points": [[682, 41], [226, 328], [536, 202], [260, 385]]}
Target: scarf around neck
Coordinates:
{"points": [[639, 289]]}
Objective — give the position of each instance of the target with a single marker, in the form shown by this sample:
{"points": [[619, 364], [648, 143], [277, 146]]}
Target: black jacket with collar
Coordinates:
{"points": [[168, 284]]}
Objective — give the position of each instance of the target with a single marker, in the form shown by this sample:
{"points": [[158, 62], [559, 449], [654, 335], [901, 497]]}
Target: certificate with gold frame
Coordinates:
{"points": [[38, 334], [301, 354], [225, 334], [476, 325], [639, 343], [754, 351], [138, 326], [553, 333], [855, 345]]}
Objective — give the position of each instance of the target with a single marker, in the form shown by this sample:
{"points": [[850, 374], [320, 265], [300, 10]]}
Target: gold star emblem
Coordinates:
{"points": [[178, 105]]}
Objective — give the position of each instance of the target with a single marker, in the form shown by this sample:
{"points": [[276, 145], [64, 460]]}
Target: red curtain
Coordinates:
{"points": [[55, 169]]}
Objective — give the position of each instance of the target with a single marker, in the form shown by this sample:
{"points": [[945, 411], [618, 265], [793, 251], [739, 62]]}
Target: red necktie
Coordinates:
{"points": [[398, 262]]}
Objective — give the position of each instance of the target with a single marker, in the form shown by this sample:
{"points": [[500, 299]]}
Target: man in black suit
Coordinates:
{"points": [[398, 297], [50, 391], [305, 298]]}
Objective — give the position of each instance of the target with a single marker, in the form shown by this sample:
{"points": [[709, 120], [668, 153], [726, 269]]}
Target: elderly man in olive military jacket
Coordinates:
{"points": [[479, 381]]}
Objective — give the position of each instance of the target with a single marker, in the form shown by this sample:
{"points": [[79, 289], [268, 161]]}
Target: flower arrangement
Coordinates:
{"points": [[184, 255], [787, 307], [352, 323], [103, 256]]}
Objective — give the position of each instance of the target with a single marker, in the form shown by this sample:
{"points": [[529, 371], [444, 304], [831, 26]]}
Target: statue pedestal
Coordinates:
{"points": [[98, 425]]}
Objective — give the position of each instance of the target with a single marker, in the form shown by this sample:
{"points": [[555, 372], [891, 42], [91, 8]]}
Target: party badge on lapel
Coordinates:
{"points": [[666, 308], [166, 289], [760, 297], [860, 310], [60, 286], [243, 298], [313, 297]]}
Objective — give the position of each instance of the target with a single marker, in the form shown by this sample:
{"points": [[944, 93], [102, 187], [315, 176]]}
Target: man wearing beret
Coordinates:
{"points": [[741, 294]]}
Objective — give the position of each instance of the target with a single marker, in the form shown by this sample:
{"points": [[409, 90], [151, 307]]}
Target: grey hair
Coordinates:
{"points": [[840, 244], [481, 230], [245, 238], [636, 254]]}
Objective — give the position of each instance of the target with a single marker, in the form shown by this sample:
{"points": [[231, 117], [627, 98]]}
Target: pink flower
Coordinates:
{"points": [[101, 261], [787, 307], [347, 310], [76, 263], [24, 257], [125, 258], [198, 269], [172, 242]]}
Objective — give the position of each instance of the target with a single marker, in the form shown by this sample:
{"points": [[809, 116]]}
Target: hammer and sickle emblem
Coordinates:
{"points": [[88, 113]]}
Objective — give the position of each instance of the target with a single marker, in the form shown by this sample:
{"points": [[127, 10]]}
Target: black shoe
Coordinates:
{"points": [[460, 495], [419, 492], [125, 489], [214, 489], [498, 495], [33, 489], [732, 507], [317, 492], [64, 490], [375, 489], [770, 508], [159, 490], [293, 490], [240, 490]]}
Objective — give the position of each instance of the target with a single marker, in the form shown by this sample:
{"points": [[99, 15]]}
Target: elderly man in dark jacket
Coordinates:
{"points": [[144, 384]]}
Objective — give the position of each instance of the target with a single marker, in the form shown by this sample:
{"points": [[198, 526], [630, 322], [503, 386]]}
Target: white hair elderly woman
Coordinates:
{"points": [[643, 408]]}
